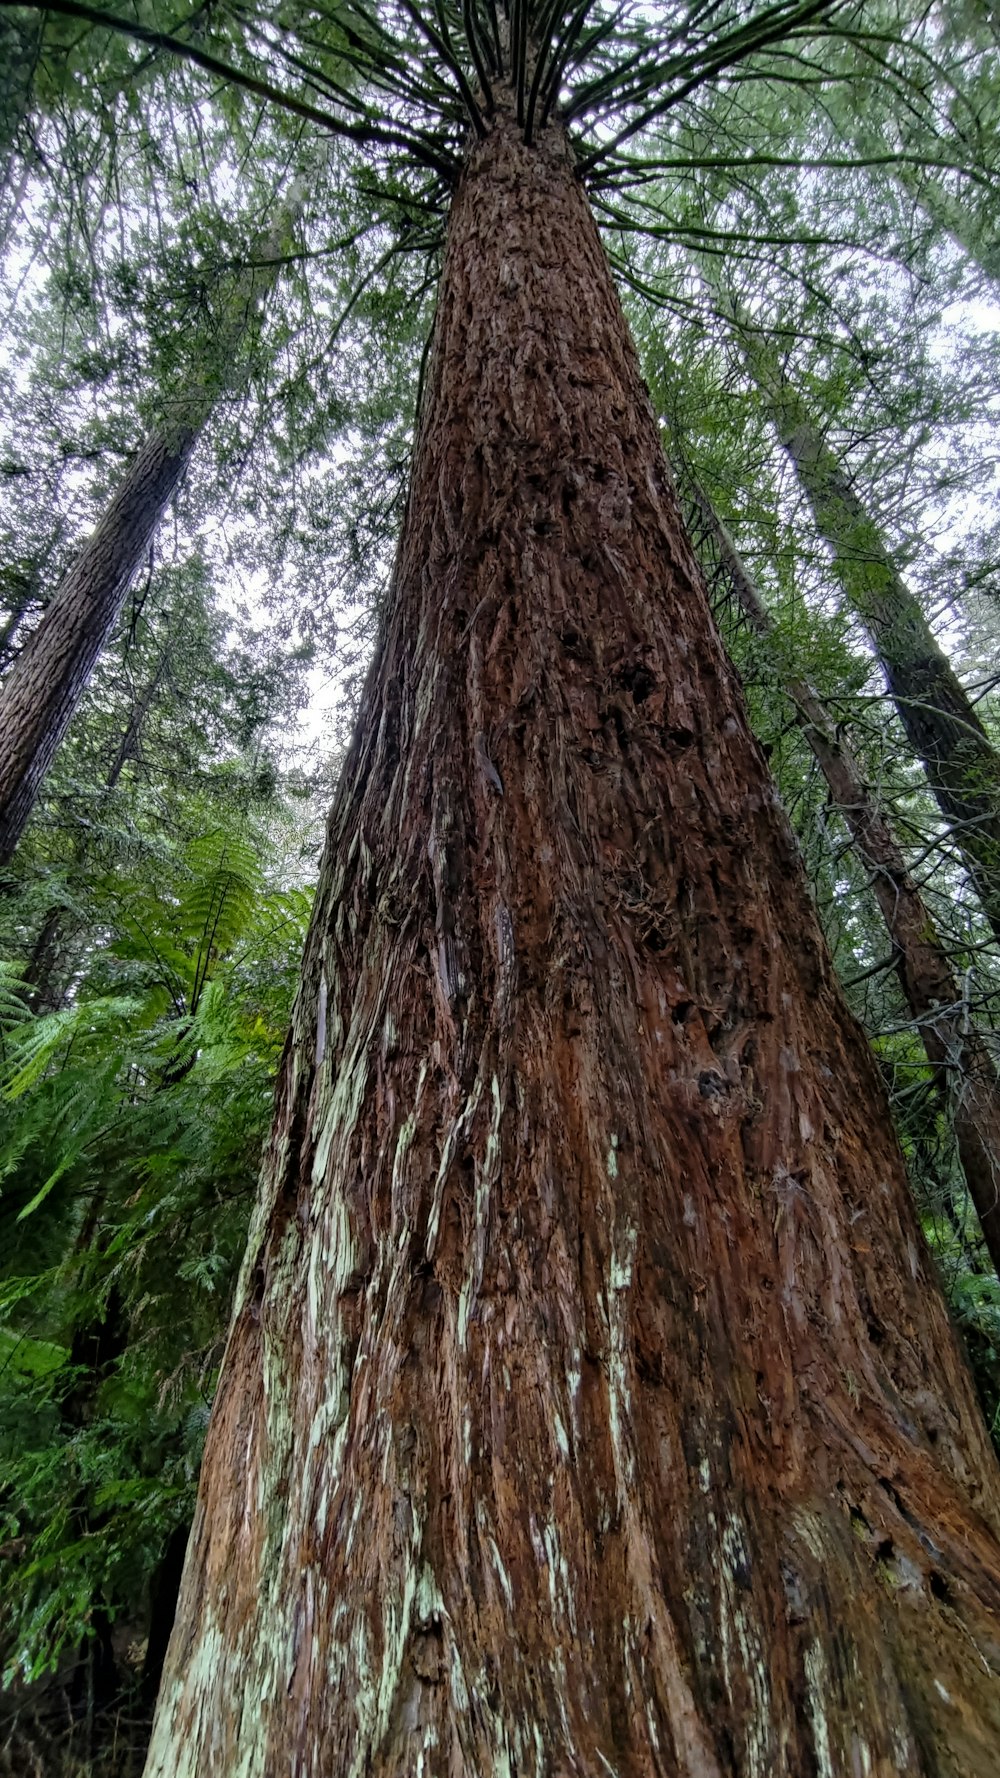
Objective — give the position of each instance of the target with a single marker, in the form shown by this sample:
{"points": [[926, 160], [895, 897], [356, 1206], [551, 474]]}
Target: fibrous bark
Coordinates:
{"points": [[590, 1406], [934, 997], [938, 717]]}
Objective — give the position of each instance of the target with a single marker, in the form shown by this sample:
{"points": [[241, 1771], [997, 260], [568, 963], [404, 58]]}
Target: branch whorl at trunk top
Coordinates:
{"points": [[432, 57]]}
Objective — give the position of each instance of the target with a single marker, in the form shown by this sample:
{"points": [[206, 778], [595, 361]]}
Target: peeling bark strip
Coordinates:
{"points": [[935, 1000], [590, 1407]]}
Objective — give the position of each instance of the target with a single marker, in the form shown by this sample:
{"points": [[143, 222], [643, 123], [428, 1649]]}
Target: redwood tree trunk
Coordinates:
{"points": [[951, 1042], [43, 688], [590, 1406]]}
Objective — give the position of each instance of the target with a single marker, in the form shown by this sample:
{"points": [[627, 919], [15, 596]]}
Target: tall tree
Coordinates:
{"points": [[577, 1410], [19, 41], [953, 1045], [543, 1099], [937, 714], [43, 687]]}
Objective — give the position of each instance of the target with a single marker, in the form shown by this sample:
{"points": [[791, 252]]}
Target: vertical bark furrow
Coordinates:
{"points": [[589, 1407]]}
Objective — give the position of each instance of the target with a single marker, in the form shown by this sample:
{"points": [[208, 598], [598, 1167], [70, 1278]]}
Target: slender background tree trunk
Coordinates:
{"points": [[940, 722], [952, 1043], [45, 684], [20, 41], [49, 970], [975, 230], [590, 1406]]}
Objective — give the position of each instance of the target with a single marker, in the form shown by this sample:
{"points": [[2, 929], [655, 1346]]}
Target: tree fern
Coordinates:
{"points": [[131, 1124]]}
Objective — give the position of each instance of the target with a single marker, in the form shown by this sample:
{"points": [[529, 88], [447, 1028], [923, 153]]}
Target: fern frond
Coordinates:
{"points": [[13, 1000], [36, 1045]]}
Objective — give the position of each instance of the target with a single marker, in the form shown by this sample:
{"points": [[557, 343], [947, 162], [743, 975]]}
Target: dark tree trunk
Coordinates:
{"points": [[952, 1043], [43, 688], [45, 970], [128, 746], [95, 1685], [49, 969], [20, 41], [163, 1591], [94, 1352], [941, 723], [590, 1406]]}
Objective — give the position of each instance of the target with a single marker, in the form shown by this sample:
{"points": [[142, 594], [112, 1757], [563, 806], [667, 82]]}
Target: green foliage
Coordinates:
{"points": [[133, 1118], [152, 926]]}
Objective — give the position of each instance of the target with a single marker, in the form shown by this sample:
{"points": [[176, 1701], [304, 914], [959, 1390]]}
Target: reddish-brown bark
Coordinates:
{"points": [[590, 1406]]}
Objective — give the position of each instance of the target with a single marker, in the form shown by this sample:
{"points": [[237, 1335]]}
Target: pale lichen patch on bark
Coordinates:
{"points": [[380, 1682], [341, 1112], [741, 1636], [457, 1132], [817, 1680]]}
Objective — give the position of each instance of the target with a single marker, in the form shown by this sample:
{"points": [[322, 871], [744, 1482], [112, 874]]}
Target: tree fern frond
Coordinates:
{"points": [[35, 1046], [13, 1000]]}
